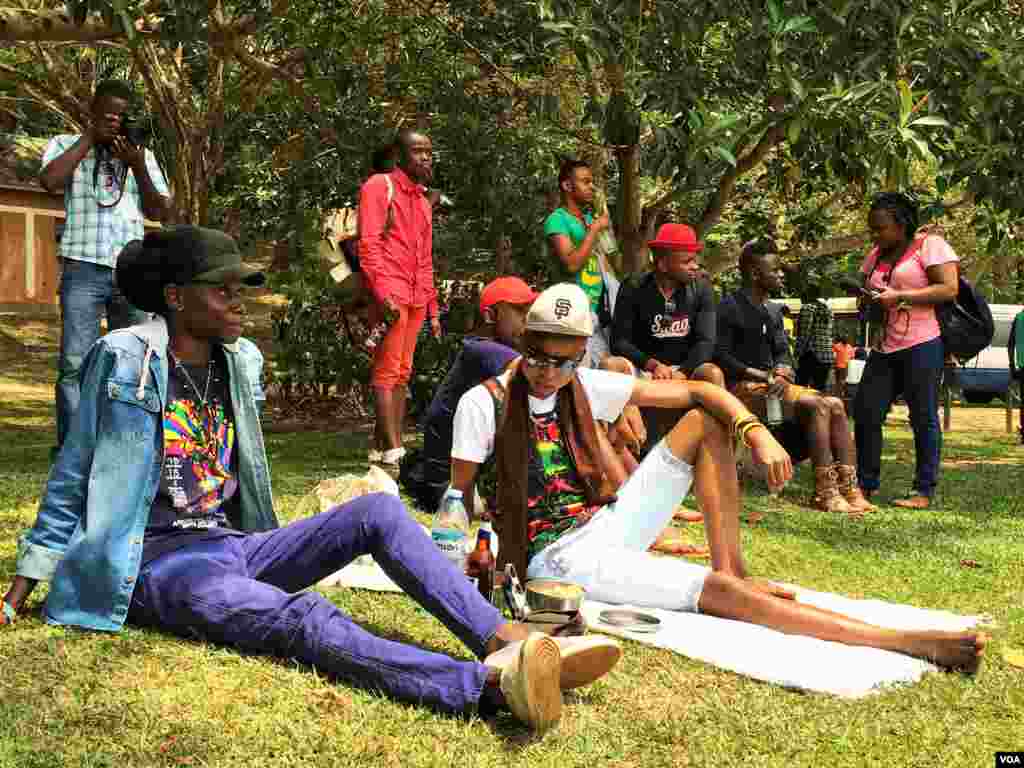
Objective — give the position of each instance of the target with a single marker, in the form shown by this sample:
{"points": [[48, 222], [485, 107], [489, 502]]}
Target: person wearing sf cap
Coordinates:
{"points": [[159, 512], [485, 352], [538, 419]]}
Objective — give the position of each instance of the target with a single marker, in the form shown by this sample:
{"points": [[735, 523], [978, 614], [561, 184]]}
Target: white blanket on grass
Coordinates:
{"points": [[792, 661], [796, 661]]}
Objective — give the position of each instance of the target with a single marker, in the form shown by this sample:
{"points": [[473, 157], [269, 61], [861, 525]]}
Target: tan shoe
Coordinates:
{"points": [[530, 683], [847, 484], [583, 659], [826, 493]]}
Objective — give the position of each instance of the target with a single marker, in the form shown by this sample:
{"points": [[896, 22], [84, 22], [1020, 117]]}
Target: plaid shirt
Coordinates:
{"points": [[93, 233], [814, 331]]}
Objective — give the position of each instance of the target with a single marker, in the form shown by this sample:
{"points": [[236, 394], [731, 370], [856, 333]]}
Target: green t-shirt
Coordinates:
{"points": [[561, 222]]}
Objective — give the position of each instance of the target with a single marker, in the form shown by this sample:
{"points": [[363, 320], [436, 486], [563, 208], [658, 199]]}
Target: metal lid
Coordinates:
{"points": [[631, 621]]}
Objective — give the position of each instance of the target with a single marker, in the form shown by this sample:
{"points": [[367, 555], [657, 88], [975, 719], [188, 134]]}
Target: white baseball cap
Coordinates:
{"points": [[562, 309]]}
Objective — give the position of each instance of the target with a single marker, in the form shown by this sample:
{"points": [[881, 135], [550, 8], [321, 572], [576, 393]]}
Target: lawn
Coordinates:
{"points": [[139, 698]]}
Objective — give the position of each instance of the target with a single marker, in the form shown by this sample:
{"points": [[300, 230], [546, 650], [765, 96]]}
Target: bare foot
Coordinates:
{"points": [[952, 650]]}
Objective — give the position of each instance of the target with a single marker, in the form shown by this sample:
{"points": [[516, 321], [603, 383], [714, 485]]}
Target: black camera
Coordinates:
{"points": [[135, 131]]}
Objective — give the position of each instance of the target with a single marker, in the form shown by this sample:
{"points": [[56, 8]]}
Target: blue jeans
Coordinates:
{"points": [[86, 292], [915, 373], [245, 591]]}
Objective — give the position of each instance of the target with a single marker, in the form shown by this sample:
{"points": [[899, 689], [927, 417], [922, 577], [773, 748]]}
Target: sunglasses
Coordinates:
{"points": [[565, 365]]}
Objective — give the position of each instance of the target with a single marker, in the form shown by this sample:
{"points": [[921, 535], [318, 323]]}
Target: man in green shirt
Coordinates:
{"points": [[573, 238]]}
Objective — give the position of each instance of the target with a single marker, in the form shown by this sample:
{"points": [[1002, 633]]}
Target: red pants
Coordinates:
{"points": [[392, 364]]}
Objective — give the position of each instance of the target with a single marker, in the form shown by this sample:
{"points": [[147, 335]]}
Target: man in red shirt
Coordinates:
{"points": [[395, 247]]}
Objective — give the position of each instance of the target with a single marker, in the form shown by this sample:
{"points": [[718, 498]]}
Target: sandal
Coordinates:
{"points": [[684, 515], [913, 502], [679, 548]]}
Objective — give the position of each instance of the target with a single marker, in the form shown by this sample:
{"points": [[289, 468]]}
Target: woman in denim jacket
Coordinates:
{"points": [[158, 511]]}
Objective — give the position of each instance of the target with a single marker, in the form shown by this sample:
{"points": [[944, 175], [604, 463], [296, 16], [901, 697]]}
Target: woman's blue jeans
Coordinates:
{"points": [[914, 373], [247, 591]]}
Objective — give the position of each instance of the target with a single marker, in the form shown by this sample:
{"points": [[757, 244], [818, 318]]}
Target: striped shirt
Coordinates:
{"points": [[94, 233]]}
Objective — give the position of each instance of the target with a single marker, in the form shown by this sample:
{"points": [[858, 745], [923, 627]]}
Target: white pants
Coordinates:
{"points": [[608, 556]]}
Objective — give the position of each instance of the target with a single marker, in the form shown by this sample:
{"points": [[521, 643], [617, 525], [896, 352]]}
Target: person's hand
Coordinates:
{"points": [[889, 298], [600, 223], [679, 375], [628, 429], [776, 386], [435, 327], [129, 154], [390, 306], [661, 371], [785, 372], [766, 451]]}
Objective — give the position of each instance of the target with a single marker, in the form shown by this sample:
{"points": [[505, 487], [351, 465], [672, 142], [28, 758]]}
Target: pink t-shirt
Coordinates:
{"points": [[916, 324]]}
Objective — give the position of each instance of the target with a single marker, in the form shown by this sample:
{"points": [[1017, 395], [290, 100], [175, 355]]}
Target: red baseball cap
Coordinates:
{"points": [[676, 237], [510, 290]]}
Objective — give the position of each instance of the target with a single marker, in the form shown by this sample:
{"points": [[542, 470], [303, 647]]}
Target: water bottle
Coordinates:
{"points": [[450, 531], [772, 408]]}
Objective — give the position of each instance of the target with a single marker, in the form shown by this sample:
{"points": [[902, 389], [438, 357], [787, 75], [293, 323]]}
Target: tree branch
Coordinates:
{"points": [[727, 184], [25, 25]]}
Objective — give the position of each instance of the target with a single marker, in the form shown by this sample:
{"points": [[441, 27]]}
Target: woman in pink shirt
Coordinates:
{"points": [[908, 275]]}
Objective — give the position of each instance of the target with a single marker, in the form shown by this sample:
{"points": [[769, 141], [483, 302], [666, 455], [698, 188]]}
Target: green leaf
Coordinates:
{"points": [[773, 12], [793, 130], [726, 155], [797, 88], [930, 120]]}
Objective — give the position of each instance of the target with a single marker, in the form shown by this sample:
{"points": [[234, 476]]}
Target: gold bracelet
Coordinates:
{"points": [[741, 422]]}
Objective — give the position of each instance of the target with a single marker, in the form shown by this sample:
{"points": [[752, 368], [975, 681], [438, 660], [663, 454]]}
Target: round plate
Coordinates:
{"points": [[631, 621]]}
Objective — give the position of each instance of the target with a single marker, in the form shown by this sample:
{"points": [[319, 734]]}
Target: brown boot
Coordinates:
{"points": [[826, 494], [851, 491]]}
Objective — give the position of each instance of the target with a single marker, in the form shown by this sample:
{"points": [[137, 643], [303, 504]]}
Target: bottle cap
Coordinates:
{"points": [[454, 493]]}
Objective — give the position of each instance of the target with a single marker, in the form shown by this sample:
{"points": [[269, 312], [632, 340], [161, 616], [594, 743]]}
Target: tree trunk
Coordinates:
{"points": [[629, 231]]}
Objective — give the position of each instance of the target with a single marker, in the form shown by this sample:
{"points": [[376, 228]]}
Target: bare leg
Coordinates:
{"points": [[399, 399], [385, 412], [842, 441], [728, 597], [815, 414], [705, 444]]}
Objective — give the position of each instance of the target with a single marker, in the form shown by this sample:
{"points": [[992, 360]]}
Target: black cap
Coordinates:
{"points": [[179, 255]]}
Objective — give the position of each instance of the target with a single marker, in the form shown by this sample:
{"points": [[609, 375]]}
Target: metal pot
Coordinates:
{"points": [[538, 600]]}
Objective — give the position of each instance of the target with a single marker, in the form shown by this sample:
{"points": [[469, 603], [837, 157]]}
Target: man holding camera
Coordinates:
{"points": [[111, 183]]}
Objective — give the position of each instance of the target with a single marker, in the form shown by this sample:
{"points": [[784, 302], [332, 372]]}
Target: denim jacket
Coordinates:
{"points": [[87, 538]]}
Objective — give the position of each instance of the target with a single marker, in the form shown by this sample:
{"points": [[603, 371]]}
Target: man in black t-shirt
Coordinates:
{"points": [[753, 350], [665, 320]]}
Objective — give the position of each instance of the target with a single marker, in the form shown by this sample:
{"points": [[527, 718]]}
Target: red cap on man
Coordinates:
{"points": [[676, 237], [510, 290]]}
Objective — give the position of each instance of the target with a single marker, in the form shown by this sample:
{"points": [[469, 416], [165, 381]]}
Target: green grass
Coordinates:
{"points": [[140, 698]]}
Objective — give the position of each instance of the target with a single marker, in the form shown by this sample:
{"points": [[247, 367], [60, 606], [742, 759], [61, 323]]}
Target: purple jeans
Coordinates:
{"points": [[245, 591]]}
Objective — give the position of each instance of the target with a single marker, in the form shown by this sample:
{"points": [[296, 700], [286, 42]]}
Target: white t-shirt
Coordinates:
{"points": [[473, 438]]}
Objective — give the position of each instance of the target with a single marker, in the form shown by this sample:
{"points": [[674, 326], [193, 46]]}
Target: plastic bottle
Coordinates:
{"points": [[450, 530], [773, 408]]}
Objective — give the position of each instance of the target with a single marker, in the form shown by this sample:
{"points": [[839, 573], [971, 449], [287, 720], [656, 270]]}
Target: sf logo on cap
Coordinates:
{"points": [[562, 308]]}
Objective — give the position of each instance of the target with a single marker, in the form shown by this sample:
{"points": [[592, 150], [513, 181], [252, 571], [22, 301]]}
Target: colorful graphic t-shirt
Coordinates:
{"points": [[555, 498], [199, 477], [561, 222]]}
